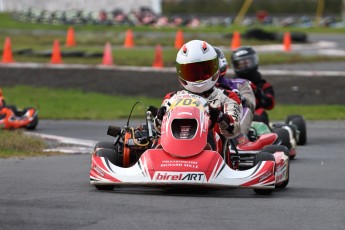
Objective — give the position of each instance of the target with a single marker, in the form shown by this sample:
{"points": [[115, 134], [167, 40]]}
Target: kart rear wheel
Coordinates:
{"points": [[107, 153], [104, 187], [113, 155], [275, 148], [33, 124], [284, 136], [263, 156], [104, 145], [300, 123]]}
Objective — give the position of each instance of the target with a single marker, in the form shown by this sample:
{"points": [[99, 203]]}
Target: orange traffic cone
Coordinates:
{"points": [[158, 61], [236, 40], [70, 40], [107, 55], [287, 41], [7, 53], [56, 53], [179, 39], [129, 41]]}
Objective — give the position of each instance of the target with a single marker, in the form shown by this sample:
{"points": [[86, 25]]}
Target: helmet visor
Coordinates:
{"points": [[245, 63], [197, 72]]}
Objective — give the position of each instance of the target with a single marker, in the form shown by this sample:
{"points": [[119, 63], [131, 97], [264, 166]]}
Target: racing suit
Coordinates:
{"points": [[226, 101], [264, 95], [246, 94]]}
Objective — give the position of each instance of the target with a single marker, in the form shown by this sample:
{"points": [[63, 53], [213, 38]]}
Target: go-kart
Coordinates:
{"points": [[13, 118], [181, 156], [291, 133], [248, 144]]}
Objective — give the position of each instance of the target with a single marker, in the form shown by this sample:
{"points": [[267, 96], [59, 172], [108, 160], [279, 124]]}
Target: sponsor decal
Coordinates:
{"points": [[98, 170], [180, 163], [265, 176], [179, 176]]}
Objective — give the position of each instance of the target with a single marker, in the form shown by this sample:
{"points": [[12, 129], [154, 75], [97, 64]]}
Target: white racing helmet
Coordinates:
{"points": [[197, 66]]}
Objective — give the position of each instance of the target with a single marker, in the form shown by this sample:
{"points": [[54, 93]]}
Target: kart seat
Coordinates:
{"points": [[262, 141]]}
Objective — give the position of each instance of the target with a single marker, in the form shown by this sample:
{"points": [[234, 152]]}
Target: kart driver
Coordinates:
{"points": [[241, 87], [245, 62], [198, 71]]}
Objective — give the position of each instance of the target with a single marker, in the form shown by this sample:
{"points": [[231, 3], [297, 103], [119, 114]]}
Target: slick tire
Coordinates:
{"points": [[107, 153], [104, 145], [263, 156], [104, 187], [112, 153], [33, 124], [284, 136], [275, 148], [300, 123]]}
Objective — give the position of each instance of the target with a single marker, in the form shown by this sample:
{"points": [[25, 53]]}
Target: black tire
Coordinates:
{"points": [[284, 136], [104, 187], [107, 153], [33, 124], [263, 191], [274, 148], [104, 145], [263, 156], [300, 123], [293, 129]]}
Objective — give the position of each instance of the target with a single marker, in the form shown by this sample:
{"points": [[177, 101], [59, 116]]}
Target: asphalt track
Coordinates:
{"points": [[54, 192]]}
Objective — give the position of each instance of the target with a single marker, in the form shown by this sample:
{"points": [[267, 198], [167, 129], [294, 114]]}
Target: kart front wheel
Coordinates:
{"points": [[263, 191], [300, 123], [33, 124], [104, 187], [284, 136]]}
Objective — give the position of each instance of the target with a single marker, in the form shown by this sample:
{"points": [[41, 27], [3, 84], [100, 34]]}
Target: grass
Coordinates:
{"points": [[91, 39], [14, 143], [76, 104], [138, 57], [310, 112]]}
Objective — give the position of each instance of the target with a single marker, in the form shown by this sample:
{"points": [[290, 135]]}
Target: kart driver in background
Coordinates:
{"points": [[198, 71], [245, 63], [241, 86]]}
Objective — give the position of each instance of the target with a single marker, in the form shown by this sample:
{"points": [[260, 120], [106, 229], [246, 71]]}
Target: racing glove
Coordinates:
{"points": [[159, 117], [153, 110], [225, 121], [161, 112], [214, 114]]}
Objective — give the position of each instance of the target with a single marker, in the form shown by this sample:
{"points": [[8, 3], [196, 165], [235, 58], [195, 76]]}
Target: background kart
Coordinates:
{"points": [[12, 118], [181, 156]]}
